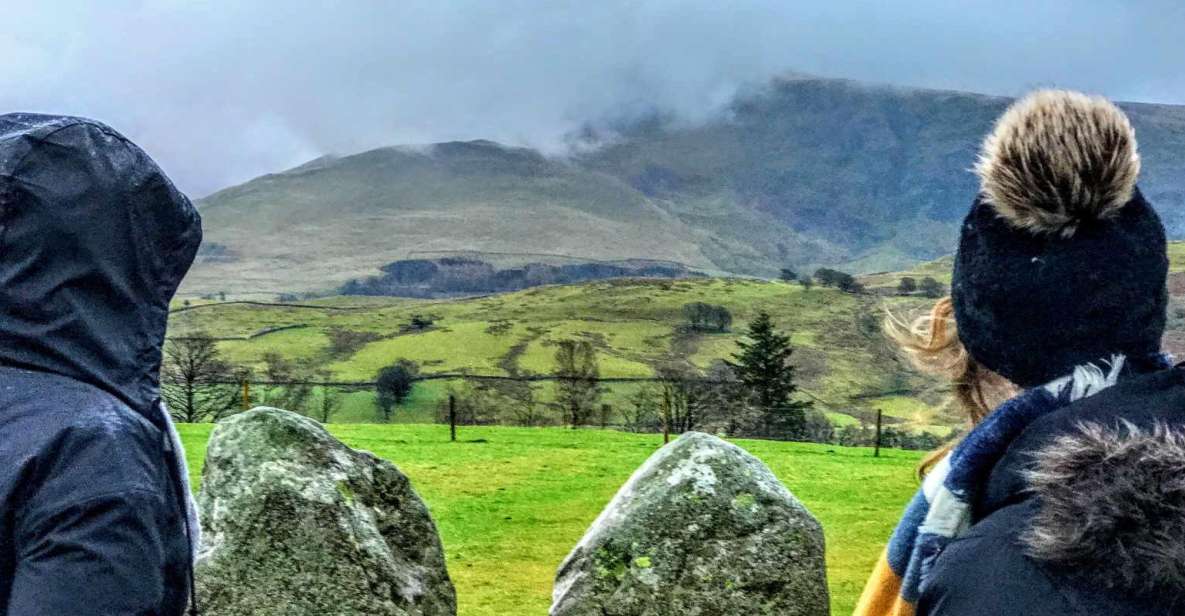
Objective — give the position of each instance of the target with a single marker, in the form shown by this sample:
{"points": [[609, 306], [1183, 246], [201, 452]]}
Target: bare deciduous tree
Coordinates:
{"points": [[520, 403], [731, 412], [195, 383], [640, 413], [683, 401], [473, 405], [329, 398], [289, 386], [577, 392]]}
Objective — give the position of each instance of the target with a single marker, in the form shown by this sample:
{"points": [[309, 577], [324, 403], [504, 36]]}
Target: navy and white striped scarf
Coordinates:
{"points": [[941, 510]]}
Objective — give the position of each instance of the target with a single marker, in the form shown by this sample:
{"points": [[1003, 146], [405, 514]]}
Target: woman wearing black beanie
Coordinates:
{"points": [[1068, 494]]}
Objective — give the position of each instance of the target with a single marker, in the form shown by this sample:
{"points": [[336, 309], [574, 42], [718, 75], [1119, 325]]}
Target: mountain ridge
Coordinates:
{"points": [[799, 172]]}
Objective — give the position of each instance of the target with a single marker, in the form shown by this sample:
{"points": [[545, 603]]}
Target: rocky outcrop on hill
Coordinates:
{"points": [[295, 522], [701, 528]]}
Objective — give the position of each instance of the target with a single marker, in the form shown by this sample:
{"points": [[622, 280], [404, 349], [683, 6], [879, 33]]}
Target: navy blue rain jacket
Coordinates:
{"points": [[1084, 516], [94, 240]]}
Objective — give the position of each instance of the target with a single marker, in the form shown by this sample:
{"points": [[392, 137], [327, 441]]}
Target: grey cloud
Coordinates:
{"points": [[221, 92]]}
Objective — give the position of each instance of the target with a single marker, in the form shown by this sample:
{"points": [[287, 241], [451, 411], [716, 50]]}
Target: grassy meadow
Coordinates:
{"points": [[844, 363], [511, 502]]}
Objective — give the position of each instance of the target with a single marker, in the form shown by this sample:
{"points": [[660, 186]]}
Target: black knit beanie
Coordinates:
{"points": [[1061, 260]]}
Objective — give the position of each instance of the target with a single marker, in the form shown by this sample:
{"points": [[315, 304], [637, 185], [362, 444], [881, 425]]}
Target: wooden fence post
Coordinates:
{"points": [[246, 394], [876, 453], [666, 427], [665, 410], [452, 417]]}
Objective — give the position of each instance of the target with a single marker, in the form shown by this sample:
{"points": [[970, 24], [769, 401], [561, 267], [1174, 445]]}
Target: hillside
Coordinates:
{"points": [[510, 502], [324, 223], [879, 173], [798, 172], [842, 359]]}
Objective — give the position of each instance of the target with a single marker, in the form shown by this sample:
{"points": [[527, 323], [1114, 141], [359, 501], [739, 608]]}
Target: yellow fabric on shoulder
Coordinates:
{"points": [[882, 594]]}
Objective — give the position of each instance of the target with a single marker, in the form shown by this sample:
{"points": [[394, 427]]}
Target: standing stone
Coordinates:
{"points": [[704, 529], [297, 523]]}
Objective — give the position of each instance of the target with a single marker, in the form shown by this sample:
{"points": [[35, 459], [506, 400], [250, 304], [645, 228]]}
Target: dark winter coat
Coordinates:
{"points": [[94, 240], [1085, 514]]}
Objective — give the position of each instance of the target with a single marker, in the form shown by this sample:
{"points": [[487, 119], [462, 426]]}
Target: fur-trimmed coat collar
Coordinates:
{"points": [[1112, 504], [1108, 477]]}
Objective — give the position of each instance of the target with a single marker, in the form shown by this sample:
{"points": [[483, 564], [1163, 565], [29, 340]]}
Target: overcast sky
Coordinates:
{"points": [[220, 92]]}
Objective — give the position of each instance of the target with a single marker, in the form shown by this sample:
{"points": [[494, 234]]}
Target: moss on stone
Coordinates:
{"points": [[298, 523], [709, 531]]}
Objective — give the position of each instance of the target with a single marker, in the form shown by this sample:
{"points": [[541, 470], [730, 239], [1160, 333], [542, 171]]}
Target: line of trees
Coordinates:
{"points": [[841, 280], [752, 393], [700, 316], [463, 275], [929, 287], [198, 385], [824, 276]]}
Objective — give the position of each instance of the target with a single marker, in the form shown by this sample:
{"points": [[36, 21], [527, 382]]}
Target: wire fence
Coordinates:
{"points": [[868, 429], [449, 376]]}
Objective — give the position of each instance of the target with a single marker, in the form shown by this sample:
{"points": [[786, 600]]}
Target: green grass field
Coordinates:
{"points": [[511, 502], [843, 360]]}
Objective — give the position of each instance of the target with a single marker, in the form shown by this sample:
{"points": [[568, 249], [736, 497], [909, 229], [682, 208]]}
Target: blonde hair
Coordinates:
{"points": [[931, 342]]}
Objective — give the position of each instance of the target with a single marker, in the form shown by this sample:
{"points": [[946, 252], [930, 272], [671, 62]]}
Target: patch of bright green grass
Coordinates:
{"points": [[907, 408], [634, 325], [840, 419], [1176, 252], [511, 502], [454, 347], [299, 344], [624, 348]]}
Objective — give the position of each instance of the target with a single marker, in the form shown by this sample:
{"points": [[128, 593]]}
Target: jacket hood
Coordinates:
{"points": [[1106, 478], [94, 240], [1112, 504]]}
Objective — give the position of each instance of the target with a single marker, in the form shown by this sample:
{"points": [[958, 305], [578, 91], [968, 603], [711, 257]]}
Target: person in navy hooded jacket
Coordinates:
{"points": [[95, 511]]}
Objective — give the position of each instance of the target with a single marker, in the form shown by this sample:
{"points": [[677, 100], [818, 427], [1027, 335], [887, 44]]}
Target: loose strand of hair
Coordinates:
{"points": [[932, 345]]}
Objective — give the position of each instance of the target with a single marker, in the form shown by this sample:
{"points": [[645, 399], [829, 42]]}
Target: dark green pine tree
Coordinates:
{"points": [[763, 365]]}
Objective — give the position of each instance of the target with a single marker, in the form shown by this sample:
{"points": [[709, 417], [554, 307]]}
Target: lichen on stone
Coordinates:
{"points": [[701, 528], [295, 522]]}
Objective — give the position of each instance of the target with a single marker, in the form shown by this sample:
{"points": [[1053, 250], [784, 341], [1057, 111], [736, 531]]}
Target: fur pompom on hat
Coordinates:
{"points": [[1061, 261], [1057, 158]]}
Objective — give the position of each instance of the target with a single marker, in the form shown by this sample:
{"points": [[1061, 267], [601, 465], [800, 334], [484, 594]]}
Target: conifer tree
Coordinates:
{"points": [[763, 365]]}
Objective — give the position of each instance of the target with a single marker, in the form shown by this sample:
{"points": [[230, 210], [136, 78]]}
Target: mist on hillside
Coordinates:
{"points": [[221, 94]]}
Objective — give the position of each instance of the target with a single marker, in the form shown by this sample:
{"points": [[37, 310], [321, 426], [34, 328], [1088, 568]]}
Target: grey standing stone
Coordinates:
{"points": [[701, 529], [297, 523]]}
